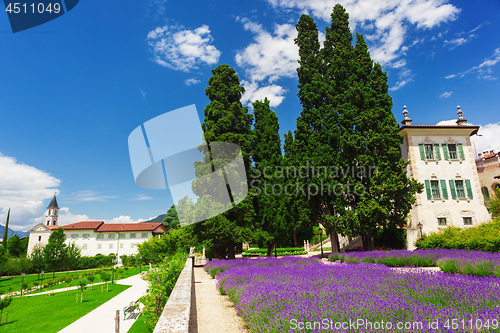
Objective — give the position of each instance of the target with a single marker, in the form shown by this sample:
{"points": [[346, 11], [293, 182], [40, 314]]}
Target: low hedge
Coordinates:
{"points": [[281, 251], [484, 237]]}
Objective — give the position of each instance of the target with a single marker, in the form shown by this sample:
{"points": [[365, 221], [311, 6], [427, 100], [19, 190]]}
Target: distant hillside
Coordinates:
{"points": [[159, 218], [11, 232]]}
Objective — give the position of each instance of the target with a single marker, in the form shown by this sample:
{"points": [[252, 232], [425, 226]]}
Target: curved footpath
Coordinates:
{"points": [[102, 319]]}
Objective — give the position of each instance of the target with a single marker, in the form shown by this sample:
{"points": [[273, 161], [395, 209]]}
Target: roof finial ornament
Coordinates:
{"points": [[406, 120], [461, 120]]}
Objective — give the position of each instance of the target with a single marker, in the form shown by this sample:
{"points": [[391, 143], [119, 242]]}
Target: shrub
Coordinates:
{"points": [[484, 237], [161, 282]]}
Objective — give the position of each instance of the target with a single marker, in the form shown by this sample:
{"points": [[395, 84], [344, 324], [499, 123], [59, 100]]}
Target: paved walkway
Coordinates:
{"points": [[213, 312], [102, 319]]}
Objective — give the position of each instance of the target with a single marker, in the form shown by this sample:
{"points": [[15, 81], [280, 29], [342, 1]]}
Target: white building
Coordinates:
{"points": [[441, 157], [95, 237]]}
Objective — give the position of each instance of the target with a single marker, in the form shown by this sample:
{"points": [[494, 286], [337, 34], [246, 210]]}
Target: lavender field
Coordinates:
{"points": [[468, 262], [304, 295]]}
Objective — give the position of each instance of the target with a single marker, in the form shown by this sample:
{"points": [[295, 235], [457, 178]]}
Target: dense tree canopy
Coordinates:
{"points": [[55, 252], [346, 123], [226, 120]]}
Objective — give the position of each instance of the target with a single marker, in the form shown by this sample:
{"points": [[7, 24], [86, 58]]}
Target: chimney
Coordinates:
{"points": [[480, 156], [406, 120], [461, 120]]}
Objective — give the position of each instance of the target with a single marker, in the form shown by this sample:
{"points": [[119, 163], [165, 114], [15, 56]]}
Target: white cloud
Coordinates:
{"points": [[157, 7], [65, 217], [124, 219], [448, 122], [271, 56], [182, 49], [388, 19], [85, 195], [405, 76], [274, 93], [446, 94], [143, 197], [459, 41], [488, 139], [23, 189], [484, 69], [189, 82]]}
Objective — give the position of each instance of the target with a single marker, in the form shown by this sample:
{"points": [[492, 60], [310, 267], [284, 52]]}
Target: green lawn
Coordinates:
{"points": [[15, 281], [126, 273], [46, 314], [139, 326]]}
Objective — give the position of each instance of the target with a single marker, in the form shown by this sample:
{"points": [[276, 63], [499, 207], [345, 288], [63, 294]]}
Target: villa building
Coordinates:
{"points": [[441, 157], [488, 168], [95, 237]]}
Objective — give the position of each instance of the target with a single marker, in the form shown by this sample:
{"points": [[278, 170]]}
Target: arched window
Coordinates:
{"points": [[497, 186], [486, 193]]}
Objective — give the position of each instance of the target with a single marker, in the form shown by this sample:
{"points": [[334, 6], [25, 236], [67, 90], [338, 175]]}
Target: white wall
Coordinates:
{"points": [[92, 245], [427, 211]]}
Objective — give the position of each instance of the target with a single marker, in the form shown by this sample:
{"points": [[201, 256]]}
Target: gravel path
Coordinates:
{"points": [[213, 312]]}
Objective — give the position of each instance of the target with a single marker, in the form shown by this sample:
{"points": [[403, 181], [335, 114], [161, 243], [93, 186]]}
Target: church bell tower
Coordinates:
{"points": [[52, 212]]}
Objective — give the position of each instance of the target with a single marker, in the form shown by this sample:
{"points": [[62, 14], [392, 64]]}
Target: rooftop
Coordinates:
{"points": [[100, 226]]}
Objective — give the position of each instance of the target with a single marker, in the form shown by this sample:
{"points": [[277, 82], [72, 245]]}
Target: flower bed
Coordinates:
{"points": [[468, 262], [303, 295]]}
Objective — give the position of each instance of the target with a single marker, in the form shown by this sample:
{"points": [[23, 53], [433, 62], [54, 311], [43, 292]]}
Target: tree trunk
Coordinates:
{"points": [[230, 250], [367, 243], [270, 247], [334, 239], [295, 237]]}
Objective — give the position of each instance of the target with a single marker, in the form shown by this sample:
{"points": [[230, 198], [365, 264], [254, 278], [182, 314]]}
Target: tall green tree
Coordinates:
{"points": [[226, 120], [6, 231], [266, 154], [298, 208], [15, 246], [346, 122], [171, 221], [322, 85], [37, 259], [55, 251], [387, 193], [73, 256]]}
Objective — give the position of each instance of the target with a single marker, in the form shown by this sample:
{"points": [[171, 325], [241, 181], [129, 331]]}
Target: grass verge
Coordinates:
{"points": [[48, 314]]}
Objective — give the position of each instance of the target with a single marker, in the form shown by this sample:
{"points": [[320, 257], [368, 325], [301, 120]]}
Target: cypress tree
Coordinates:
{"points": [[346, 123], [387, 192], [6, 231], [226, 120], [266, 154]]}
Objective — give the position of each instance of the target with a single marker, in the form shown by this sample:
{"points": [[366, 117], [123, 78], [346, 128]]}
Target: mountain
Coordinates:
{"points": [[11, 232], [159, 218]]}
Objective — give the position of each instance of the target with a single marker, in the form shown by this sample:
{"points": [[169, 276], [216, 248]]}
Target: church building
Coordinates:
{"points": [[95, 237]]}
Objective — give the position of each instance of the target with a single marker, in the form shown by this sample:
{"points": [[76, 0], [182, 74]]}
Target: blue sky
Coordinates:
{"points": [[73, 89]]}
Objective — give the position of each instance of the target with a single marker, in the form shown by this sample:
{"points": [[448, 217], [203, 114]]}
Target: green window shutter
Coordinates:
{"points": [[443, 189], [428, 189], [422, 152], [438, 153], [469, 188], [445, 151], [452, 189], [461, 151]]}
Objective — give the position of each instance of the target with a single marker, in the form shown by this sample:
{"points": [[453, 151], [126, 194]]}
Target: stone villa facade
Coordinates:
{"points": [[441, 157]]}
